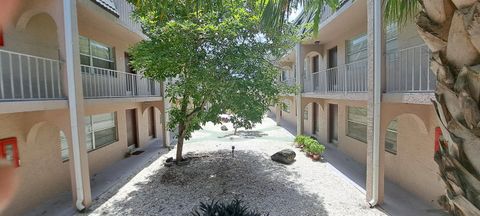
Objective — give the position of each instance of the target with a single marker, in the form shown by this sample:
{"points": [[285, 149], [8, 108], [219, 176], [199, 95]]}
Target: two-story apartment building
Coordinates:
{"points": [[331, 69], [70, 104]]}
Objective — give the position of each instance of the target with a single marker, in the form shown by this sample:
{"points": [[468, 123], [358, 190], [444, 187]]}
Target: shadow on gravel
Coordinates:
{"points": [[262, 184]]}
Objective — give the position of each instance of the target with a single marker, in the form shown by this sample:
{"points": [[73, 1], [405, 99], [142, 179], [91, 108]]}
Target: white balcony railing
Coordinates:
{"points": [[408, 70], [125, 11], [105, 83], [28, 77], [351, 77]]}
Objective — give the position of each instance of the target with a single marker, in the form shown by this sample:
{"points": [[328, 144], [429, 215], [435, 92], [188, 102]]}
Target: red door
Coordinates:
{"points": [[9, 150]]}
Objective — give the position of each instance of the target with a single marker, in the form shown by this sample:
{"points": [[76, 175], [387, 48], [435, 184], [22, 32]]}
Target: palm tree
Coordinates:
{"points": [[451, 29]]}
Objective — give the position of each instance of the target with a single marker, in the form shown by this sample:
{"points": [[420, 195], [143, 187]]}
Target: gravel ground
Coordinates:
{"points": [[303, 188]]}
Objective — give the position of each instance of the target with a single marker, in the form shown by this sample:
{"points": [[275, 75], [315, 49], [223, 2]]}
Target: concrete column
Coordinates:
{"points": [[166, 118], [299, 56], [374, 155], [80, 174], [278, 118]]}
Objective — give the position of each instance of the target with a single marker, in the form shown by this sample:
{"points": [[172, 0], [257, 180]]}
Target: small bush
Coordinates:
{"points": [[234, 208], [316, 149], [300, 139], [310, 142]]}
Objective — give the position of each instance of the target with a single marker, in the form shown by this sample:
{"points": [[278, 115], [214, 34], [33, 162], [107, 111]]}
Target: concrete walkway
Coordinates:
{"points": [[116, 174], [398, 201]]}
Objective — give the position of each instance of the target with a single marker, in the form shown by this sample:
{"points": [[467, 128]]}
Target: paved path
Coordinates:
{"points": [[303, 188]]}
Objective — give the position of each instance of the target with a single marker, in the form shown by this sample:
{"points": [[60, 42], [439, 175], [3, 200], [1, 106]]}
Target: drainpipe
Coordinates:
{"points": [[68, 7], [377, 31]]}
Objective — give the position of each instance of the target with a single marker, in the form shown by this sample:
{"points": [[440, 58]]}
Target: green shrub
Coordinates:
{"points": [[316, 149], [234, 208], [300, 139], [309, 142]]}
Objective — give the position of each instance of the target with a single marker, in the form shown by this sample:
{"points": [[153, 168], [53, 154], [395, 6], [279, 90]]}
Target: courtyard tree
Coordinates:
{"points": [[215, 60]]}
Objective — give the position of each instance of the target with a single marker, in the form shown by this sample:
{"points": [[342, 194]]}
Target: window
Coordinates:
{"points": [[391, 37], [284, 76], [305, 114], [315, 64], [357, 123], [63, 146], [391, 137], [96, 54], [9, 151], [286, 106], [357, 48], [100, 130]]}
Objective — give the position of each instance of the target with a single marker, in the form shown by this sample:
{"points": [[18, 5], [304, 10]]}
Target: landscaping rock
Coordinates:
{"points": [[286, 156], [224, 128]]}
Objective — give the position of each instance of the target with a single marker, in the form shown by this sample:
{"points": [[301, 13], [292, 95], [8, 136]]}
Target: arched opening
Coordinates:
{"points": [[42, 164], [153, 117], [409, 150], [37, 36], [287, 111], [312, 71]]}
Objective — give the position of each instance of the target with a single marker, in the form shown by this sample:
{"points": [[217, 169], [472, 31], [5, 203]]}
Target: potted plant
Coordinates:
{"points": [[316, 151], [300, 141], [309, 142]]}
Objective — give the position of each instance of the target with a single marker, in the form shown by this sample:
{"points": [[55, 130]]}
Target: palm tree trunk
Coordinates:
{"points": [[451, 29]]}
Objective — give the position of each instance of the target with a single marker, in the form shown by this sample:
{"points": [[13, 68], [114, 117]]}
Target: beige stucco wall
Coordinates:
{"points": [[37, 29], [413, 167], [289, 117], [42, 172]]}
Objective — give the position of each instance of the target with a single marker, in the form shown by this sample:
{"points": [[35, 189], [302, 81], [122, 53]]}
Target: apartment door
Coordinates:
{"points": [[332, 72], [132, 135], [131, 78], [314, 118], [151, 122], [333, 123]]}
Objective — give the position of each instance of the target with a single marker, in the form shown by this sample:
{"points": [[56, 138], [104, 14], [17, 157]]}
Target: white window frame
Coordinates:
{"points": [[91, 57], [362, 36], [93, 130], [64, 153], [395, 131], [355, 122]]}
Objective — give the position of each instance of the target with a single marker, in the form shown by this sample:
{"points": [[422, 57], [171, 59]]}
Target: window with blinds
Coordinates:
{"points": [[100, 130], [357, 123]]}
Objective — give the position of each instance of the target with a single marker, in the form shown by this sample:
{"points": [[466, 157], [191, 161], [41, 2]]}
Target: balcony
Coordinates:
{"points": [[105, 83], [26, 77], [408, 71], [351, 77]]}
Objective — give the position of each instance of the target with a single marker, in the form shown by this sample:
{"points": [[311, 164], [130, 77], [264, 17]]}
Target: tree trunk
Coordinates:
{"points": [[451, 30], [235, 131], [181, 138]]}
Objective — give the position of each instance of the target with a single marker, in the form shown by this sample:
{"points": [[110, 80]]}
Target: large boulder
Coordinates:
{"points": [[224, 128], [285, 156]]}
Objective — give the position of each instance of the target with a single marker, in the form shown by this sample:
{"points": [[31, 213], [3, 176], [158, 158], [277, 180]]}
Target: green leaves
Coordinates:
{"points": [[217, 58]]}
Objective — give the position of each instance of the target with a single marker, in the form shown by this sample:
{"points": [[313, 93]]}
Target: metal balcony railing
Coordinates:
{"points": [[105, 83], [351, 77], [408, 70], [28, 77]]}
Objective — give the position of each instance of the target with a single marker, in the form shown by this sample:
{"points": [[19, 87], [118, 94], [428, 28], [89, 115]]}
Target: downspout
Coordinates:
{"points": [[72, 100], [377, 43]]}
